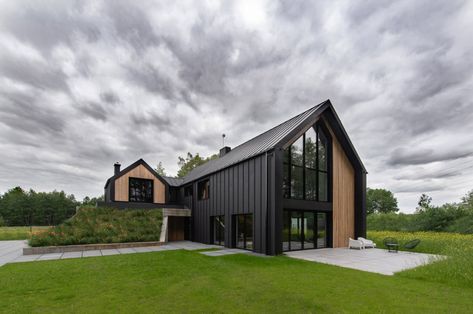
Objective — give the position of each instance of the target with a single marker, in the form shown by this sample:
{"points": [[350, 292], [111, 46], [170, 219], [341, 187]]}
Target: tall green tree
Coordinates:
{"points": [[380, 201], [25, 208], [160, 169], [467, 200], [87, 201], [191, 162], [424, 203]]}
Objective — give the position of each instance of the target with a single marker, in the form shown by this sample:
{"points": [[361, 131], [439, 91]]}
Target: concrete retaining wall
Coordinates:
{"points": [[86, 247]]}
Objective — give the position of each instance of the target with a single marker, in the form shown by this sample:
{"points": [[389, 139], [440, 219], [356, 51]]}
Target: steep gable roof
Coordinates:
{"points": [[132, 166], [257, 145]]}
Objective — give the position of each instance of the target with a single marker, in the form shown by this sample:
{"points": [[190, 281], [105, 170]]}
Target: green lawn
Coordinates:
{"points": [[183, 281], [17, 233]]}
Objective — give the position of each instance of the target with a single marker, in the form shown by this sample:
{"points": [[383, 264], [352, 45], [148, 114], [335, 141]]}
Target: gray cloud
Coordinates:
{"points": [[84, 84], [414, 156]]}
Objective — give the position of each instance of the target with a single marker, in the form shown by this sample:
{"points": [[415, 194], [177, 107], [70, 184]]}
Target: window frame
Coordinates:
{"points": [[199, 187], [319, 128], [140, 179]]}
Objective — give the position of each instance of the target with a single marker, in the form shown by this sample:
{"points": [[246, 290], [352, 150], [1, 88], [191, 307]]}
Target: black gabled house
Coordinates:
{"points": [[300, 185]]}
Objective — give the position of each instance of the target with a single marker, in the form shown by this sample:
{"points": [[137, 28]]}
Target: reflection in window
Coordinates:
{"points": [[306, 167], [219, 230], [140, 190], [204, 188], [244, 231]]}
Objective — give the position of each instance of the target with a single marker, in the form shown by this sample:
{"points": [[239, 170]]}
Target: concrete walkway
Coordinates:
{"points": [[370, 260], [13, 252]]}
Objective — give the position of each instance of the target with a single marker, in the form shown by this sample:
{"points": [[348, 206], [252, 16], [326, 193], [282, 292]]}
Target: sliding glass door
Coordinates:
{"points": [[218, 232], [303, 230], [244, 231]]}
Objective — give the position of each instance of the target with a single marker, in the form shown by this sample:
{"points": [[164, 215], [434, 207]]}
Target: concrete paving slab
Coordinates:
{"points": [[126, 250], [91, 253], [110, 252], [371, 260], [11, 250], [52, 256], [26, 258], [142, 249], [67, 255]]}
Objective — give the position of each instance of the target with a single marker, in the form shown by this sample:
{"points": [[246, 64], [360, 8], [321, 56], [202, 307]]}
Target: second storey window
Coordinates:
{"points": [[306, 167], [141, 190], [188, 191], [204, 189]]}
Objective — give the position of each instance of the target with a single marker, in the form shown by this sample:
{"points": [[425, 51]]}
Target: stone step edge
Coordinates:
{"points": [[86, 247]]}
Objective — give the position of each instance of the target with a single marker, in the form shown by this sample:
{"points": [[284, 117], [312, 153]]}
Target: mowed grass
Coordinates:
{"points": [[18, 233], [183, 281], [455, 270]]}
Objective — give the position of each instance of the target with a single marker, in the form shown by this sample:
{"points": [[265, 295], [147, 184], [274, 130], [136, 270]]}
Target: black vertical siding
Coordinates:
{"points": [[235, 190]]}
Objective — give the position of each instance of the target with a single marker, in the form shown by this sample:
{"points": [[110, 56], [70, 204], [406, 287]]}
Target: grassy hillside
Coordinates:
{"points": [[103, 225]]}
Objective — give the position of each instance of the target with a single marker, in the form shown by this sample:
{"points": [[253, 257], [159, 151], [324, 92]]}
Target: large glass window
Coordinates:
{"points": [[140, 190], [306, 167], [244, 231], [304, 230], [204, 189], [218, 230]]}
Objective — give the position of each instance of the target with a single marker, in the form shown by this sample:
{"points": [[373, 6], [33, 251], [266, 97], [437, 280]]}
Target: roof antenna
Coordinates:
{"points": [[223, 140]]}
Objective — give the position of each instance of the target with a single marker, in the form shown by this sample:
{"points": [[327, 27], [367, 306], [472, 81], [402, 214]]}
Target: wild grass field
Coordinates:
{"points": [[456, 269], [18, 233]]}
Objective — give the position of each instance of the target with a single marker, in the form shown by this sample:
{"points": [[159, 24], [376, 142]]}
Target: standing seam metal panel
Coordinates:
{"points": [[236, 190]]}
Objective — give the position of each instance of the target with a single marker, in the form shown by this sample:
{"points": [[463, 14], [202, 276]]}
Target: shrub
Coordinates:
{"points": [[390, 221], [2, 222], [103, 225]]}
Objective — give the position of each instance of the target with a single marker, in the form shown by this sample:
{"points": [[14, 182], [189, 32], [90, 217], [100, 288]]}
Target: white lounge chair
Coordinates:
{"points": [[355, 244], [367, 243]]}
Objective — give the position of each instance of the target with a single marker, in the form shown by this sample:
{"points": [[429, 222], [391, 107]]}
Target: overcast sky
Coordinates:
{"points": [[85, 84]]}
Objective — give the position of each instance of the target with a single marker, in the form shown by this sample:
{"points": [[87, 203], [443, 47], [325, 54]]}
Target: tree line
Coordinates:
{"points": [[383, 214], [19, 207]]}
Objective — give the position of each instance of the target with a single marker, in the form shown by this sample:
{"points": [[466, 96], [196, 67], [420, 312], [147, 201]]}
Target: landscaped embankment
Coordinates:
{"points": [[102, 225]]}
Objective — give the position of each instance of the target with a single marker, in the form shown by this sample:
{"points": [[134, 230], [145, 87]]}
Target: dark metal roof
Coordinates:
{"points": [[258, 145], [132, 166], [173, 181], [254, 147]]}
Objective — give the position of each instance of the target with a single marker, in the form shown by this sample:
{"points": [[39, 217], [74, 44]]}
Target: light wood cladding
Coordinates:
{"points": [[343, 196], [122, 188]]}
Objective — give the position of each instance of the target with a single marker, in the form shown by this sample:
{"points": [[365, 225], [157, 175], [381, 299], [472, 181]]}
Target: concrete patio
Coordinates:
{"points": [[370, 260]]}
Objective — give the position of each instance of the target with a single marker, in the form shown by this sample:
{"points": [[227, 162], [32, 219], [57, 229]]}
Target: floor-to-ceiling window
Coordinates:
{"points": [[304, 230], [244, 231], [306, 167], [218, 232]]}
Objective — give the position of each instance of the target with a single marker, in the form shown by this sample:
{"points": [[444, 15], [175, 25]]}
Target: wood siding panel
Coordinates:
{"points": [[343, 196], [122, 189]]}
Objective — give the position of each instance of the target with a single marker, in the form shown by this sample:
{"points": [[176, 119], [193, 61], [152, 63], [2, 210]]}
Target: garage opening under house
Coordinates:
{"points": [[300, 185]]}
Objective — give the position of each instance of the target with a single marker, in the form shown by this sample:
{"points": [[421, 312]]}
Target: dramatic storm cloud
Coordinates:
{"points": [[85, 84]]}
